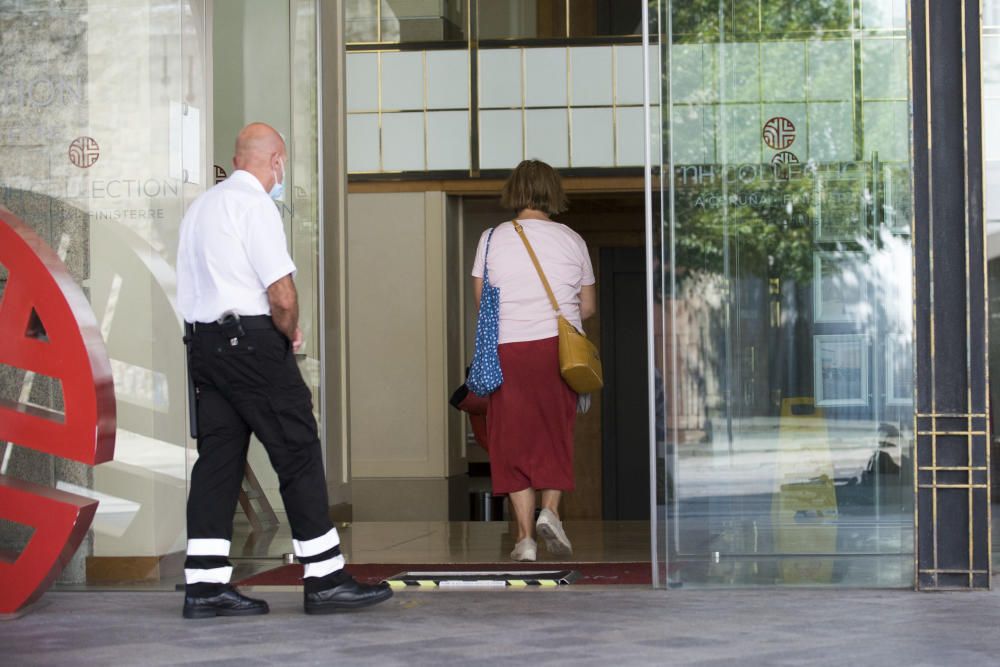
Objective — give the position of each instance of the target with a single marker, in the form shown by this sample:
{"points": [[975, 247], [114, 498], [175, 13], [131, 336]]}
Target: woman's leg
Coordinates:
{"points": [[550, 529], [523, 502], [550, 500]]}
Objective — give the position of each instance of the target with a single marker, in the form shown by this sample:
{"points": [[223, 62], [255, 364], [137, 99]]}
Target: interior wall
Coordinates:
{"points": [[401, 365]]}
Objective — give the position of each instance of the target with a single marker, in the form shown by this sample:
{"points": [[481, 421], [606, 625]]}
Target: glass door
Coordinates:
{"points": [[783, 305]]}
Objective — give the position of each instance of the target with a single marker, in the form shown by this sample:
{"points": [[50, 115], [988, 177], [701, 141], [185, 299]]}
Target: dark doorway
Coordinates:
{"points": [[625, 408]]}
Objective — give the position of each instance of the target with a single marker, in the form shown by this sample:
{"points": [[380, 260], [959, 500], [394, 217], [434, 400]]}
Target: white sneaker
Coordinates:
{"points": [[550, 529], [526, 549]]}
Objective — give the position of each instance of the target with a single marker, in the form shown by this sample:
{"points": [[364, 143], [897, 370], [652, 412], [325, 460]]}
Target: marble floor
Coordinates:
{"points": [[423, 542], [453, 541]]}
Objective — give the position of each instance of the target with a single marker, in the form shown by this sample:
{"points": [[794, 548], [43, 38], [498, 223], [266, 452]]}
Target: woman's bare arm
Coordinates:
{"points": [[588, 301], [477, 290]]}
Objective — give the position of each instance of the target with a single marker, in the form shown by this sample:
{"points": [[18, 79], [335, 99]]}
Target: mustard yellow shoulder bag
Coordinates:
{"points": [[579, 361]]}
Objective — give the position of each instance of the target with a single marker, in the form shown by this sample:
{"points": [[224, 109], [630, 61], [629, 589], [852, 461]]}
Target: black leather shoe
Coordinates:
{"points": [[347, 595], [230, 602]]}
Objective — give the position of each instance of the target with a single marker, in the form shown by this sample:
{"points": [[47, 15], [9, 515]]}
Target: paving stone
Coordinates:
{"points": [[579, 626]]}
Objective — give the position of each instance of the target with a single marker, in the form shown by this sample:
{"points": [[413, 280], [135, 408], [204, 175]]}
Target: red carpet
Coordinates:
{"points": [[590, 573]]}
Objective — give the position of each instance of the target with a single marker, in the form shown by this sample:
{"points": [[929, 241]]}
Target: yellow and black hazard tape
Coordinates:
{"points": [[459, 579]]}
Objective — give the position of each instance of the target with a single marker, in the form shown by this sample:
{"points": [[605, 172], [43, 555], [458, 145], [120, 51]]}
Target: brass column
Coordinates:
{"points": [[952, 421]]}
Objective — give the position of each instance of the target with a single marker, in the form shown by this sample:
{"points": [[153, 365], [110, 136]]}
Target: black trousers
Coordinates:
{"points": [[245, 385]]}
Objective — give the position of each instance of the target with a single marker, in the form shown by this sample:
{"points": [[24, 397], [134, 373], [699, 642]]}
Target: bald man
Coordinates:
{"points": [[236, 292]]}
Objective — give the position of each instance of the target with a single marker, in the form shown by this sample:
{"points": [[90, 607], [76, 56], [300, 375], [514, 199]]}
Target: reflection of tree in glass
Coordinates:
{"points": [[769, 222], [701, 17]]}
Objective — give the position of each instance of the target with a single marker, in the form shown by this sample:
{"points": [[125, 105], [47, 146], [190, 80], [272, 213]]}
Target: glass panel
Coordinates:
{"points": [[593, 138], [545, 77], [741, 70], [103, 142], [693, 73], [547, 136], [740, 130], [521, 19], [403, 142], [629, 139], [362, 82], [447, 140], [881, 120], [831, 131], [363, 148], [783, 71], [500, 78], [402, 81], [591, 75], [828, 78], [694, 134], [628, 74], [501, 139], [884, 67], [447, 79], [782, 303]]}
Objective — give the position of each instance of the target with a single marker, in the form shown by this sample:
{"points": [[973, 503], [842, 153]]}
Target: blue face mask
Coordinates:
{"points": [[278, 189]]}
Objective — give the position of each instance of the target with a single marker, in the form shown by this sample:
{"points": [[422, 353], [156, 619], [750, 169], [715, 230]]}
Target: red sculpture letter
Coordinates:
{"points": [[41, 292]]}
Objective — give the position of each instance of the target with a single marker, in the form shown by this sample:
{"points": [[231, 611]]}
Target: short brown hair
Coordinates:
{"points": [[534, 184]]}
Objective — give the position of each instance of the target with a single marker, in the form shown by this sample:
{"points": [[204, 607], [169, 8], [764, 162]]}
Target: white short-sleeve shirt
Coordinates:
{"points": [[525, 310], [232, 248]]}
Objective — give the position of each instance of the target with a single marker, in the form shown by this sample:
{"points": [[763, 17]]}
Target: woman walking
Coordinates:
{"points": [[531, 415]]}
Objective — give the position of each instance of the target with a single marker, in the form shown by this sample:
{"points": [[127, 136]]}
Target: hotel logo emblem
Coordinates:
{"points": [[784, 157], [779, 133], [84, 152]]}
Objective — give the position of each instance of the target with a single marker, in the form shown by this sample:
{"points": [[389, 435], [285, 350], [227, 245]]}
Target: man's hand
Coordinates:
{"points": [[284, 303], [297, 340]]}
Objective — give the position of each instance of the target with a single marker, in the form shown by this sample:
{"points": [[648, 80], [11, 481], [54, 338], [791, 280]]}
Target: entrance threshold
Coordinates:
{"points": [[483, 579]]}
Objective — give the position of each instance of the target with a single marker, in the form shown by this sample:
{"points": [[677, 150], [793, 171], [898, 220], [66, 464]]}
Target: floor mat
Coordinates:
{"points": [[633, 574]]}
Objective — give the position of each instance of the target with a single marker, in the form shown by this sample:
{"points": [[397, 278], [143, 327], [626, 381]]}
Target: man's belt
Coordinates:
{"points": [[246, 321]]}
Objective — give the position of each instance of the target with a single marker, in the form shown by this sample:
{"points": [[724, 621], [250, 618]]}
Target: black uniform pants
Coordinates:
{"points": [[251, 384]]}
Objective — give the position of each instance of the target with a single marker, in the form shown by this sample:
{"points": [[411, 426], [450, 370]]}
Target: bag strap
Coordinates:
{"points": [[486, 254], [538, 267]]}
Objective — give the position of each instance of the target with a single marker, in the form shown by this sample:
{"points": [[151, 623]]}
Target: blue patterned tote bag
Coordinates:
{"points": [[484, 372]]}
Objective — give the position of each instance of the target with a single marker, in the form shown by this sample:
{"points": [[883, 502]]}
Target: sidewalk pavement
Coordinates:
{"points": [[612, 625]]}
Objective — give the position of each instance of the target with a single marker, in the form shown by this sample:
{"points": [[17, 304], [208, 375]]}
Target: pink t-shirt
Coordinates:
{"points": [[525, 310]]}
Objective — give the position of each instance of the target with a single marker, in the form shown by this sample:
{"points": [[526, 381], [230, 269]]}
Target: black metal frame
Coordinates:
{"points": [[952, 513]]}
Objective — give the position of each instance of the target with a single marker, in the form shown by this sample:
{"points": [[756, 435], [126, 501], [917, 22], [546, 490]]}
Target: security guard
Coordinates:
{"points": [[235, 291]]}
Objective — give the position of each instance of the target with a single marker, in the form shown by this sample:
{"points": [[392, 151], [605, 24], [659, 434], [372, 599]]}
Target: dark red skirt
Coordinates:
{"points": [[530, 420]]}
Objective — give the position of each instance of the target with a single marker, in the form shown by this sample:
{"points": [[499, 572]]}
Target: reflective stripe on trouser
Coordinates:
{"points": [[320, 556], [254, 387], [207, 562]]}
